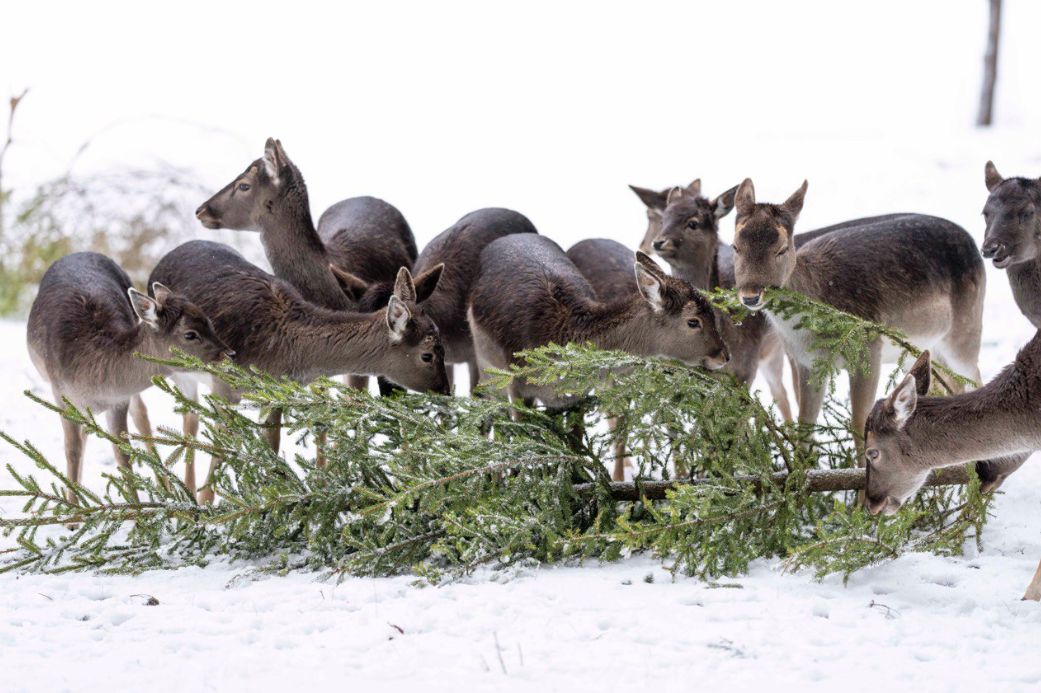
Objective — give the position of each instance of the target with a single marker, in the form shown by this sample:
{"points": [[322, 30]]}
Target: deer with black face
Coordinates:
{"points": [[1013, 236], [909, 433], [919, 274], [271, 326], [529, 294], [348, 263], [85, 326]]}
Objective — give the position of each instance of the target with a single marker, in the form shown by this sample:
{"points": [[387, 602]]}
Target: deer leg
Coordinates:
{"points": [[139, 413], [319, 455], [118, 427], [190, 428], [74, 443], [273, 428], [206, 494], [772, 368], [795, 379], [620, 460], [358, 382], [1033, 593], [863, 387]]}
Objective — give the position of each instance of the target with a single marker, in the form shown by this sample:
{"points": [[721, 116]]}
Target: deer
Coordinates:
{"points": [[919, 274], [529, 294], [1012, 239], [358, 242], [270, 326], [654, 201], [907, 433], [86, 324]]}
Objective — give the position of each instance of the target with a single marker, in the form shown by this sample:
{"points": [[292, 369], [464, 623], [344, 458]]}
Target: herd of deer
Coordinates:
{"points": [[353, 296]]}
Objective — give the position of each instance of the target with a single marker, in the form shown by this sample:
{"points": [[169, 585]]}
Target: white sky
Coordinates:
{"points": [[547, 107]]}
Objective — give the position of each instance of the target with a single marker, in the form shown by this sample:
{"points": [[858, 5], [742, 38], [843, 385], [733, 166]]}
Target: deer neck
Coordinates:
{"points": [[322, 342], [297, 254], [625, 325], [701, 274], [1003, 417], [137, 373], [1025, 280]]}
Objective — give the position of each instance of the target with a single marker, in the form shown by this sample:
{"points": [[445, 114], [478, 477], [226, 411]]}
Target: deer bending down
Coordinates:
{"points": [[1013, 236], [919, 274], [609, 267], [529, 294], [272, 327], [365, 240], [85, 326], [908, 434]]}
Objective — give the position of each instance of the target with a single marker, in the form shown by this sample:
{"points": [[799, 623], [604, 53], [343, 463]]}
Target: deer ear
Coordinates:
{"points": [[398, 315], [695, 187], [902, 401], [404, 287], [793, 204], [650, 198], [991, 176], [272, 160], [161, 293], [426, 282], [722, 205], [923, 373], [744, 198], [353, 286], [674, 195], [651, 281], [145, 307]]}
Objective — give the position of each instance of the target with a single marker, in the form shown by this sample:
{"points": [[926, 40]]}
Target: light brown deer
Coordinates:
{"points": [[919, 274], [85, 326], [908, 433]]}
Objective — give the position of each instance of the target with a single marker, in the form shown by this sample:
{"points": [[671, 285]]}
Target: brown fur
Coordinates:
{"points": [[1013, 236]]}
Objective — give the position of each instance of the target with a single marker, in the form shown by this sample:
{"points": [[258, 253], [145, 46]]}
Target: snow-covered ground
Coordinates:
{"points": [[550, 109]]}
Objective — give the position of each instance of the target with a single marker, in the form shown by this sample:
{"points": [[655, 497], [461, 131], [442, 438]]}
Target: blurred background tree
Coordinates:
{"points": [[990, 66]]}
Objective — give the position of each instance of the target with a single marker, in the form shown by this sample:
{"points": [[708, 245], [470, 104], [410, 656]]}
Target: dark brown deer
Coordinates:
{"points": [[1013, 236], [908, 433], [85, 326], [529, 294], [919, 274], [271, 326], [365, 238], [609, 267]]}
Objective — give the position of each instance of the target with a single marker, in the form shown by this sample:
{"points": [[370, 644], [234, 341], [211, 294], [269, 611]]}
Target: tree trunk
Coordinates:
{"points": [[817, 481], [990, 66]]}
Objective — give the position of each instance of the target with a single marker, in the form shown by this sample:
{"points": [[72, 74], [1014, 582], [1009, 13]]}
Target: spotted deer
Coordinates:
{"points": [[1013, 236], [529, 294], [908, 433], [85, 326], [272, 327], [360, 241], [919, 274]]}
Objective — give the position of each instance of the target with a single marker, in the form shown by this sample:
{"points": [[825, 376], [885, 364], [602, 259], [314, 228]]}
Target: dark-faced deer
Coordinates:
{"points": [[1013, 236], [366, 239], [908, 433], [85, 326], [919, 274], [271, 326], [529, 294]]}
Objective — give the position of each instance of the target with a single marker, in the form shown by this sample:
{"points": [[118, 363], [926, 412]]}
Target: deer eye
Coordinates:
{"points": [[191, 336], [427, 357], [782, 251], [694, 323], [871, 454], [692, 224], [243, 187]]}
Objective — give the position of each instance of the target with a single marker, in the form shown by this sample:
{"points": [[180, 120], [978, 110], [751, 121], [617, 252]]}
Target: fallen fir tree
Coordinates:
{"points": [[438, 486]]}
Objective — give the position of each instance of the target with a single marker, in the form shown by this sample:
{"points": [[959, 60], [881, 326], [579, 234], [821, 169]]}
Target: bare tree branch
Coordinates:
{"points": [[990, 67], [15, 100]]}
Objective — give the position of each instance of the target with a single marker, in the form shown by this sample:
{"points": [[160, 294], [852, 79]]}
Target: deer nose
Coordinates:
{"points": [[228, 353], [658, 245], [991, 249], [752, 300], [201, 211]]}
